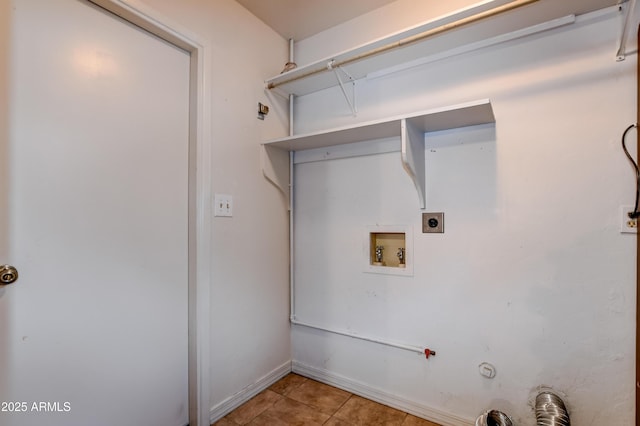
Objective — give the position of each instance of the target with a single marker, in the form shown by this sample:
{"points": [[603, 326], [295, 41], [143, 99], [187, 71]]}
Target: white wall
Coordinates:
{"points": [[532, 273], [249, 294]]}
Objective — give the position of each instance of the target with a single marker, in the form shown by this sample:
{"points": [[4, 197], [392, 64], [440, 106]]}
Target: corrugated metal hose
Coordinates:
{"points": [[550, 411], [494, 418]]}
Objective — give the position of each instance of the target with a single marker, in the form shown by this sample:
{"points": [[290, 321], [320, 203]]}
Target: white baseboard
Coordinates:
{"points": [[223, 408], [369, 392]]}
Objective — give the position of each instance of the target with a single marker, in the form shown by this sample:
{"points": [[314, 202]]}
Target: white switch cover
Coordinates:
{"points": [[222, 205]]}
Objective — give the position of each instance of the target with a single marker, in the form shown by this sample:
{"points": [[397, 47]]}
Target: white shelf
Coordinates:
{"points": [[409, 128], [308, 79], [450, 117]]}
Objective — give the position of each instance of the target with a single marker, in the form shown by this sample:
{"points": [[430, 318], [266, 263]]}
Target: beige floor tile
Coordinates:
{"points": [[254, 407], [287, 384], [325, 398], [362, 412], [288, 412], [297, 401], [416, 421]]}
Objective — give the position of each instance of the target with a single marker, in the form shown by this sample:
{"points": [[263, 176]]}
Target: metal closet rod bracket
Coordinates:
{"points": [[352, 103], [621, 54]]}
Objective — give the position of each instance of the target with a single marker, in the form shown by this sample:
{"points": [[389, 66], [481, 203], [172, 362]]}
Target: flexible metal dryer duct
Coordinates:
{"points": [[550, 410], [494, 418]]}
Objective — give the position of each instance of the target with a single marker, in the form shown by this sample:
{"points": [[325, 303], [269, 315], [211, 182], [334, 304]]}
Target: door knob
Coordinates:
{"points": [[8, 274]]}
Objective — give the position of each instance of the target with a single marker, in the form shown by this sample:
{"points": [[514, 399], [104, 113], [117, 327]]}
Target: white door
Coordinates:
{"points": [[94, 198]]}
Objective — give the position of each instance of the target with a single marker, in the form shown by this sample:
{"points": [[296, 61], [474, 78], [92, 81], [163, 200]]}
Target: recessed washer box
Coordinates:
{"points": [[388, 249]]}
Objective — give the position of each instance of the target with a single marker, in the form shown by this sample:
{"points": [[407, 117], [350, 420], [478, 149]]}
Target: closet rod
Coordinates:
{"points": [[409, 40]]}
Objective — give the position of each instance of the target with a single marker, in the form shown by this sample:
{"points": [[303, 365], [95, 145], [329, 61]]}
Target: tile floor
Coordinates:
{"points": [[296, 400]]}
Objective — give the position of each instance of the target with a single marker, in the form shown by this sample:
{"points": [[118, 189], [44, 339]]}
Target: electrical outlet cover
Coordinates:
{"points": [[433, 223], [627, 225]]}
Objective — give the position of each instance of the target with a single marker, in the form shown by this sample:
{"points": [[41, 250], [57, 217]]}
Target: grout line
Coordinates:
{"points": [[344, 403]]}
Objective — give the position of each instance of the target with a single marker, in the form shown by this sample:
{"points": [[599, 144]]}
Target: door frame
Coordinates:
{"points": [[199, 195], [637, 362]]}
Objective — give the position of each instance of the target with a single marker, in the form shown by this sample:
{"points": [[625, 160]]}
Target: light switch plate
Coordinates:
{"points": [[222, 205], [433, 223]]}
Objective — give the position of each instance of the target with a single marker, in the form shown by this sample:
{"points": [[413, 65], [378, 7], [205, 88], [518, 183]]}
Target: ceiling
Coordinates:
{"points": [[299, 19]]}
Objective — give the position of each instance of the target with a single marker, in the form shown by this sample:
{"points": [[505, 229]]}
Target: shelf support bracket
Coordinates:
{"points": [[275, 168], [352, 104], [412, 156], [628, 11]]}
